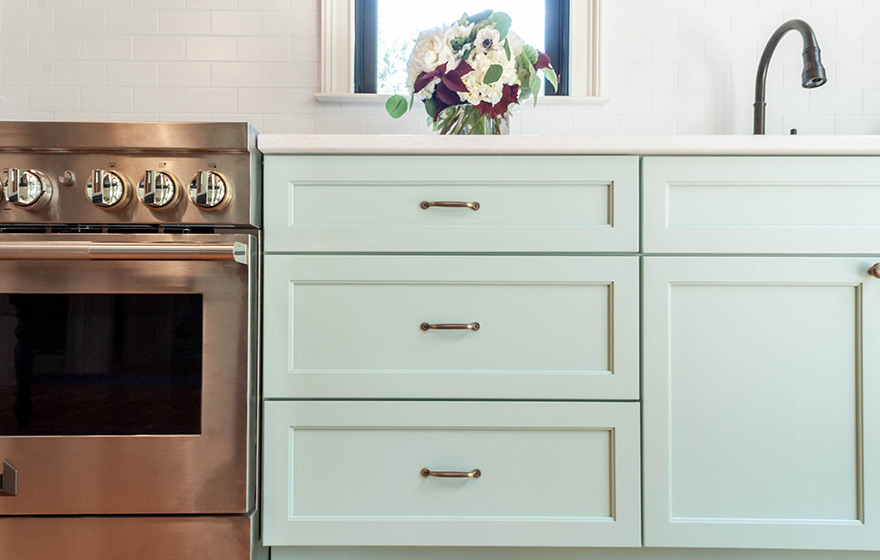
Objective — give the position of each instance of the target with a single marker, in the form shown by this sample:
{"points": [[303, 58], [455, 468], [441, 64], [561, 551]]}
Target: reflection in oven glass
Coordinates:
{"points": [[100, 364]]}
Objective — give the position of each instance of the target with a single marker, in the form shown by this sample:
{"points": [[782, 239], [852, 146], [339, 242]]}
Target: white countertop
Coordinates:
{"points": [[606, 145]]}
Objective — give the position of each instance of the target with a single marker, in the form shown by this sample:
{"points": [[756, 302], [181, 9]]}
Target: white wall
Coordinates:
{"points": [[670, 67]]}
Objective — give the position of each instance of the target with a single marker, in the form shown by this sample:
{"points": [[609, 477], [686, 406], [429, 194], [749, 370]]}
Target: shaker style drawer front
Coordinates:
{"points": [[761, 204], [451, 327], [451, 474], [451, 203]]}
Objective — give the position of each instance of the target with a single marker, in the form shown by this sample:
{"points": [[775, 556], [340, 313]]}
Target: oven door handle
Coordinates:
{"points": [[90, 250]]}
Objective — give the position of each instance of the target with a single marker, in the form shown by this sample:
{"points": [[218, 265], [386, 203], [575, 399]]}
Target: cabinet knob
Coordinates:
{"points": [[875, 270]]}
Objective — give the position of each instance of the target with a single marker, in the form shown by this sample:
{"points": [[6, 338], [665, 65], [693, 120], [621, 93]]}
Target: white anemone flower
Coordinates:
{"points": [[488, 39]]}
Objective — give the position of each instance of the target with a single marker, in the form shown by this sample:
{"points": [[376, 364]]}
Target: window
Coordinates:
{"points": [[567, 30]]}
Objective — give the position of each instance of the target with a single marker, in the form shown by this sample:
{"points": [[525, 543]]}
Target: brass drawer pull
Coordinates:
{"points": [[448, 204], [875, 270], [451, 327], [426, 472]]}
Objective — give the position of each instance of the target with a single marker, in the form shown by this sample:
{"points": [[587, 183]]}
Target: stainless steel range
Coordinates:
{"points": [[129, 260]]}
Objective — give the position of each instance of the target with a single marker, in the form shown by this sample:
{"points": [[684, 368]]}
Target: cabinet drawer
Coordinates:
{"points": [[761, 204], [552, 474], [526, 203], [549, 327]]}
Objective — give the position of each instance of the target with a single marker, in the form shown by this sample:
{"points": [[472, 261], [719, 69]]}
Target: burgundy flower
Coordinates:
{"points": [[508, 95], [446, 94], [543, 61]]}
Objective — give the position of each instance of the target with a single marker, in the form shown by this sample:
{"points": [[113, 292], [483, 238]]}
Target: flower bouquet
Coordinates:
{"points": [[471, 73]]}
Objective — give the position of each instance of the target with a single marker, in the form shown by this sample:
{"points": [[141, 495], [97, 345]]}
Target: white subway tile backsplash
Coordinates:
{"points": [[263, 100], [54, 98], [80, 22], [159, 99], [265, 49], [107, 98], [132, 22], [54, 47], [293, 23], [106, 47], [184, 22], [236, 74], [291, 74], [703, 23], [128, 73], [80, 73], [669, 67], [17, 21], [237, 22], [651, 22], [211, 48], [211, 100], [13, 99], [835, 101], [160, 47], [27, 73], [173, 73]]}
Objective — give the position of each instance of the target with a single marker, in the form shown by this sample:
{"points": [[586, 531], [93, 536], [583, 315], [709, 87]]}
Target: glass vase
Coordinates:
{"points": [[466, 119]]}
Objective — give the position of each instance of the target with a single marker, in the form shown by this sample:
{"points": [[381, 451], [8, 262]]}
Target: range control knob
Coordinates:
{"points": [[27, 188], [209, 190], [159, 190], [108, 189]]}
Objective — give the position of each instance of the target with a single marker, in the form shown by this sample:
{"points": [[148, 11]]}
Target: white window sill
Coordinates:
{"points": [[380, 98]]}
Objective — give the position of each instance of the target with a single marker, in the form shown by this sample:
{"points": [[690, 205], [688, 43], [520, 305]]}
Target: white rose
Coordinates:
{"points": [[516, 44], [432, 49]]}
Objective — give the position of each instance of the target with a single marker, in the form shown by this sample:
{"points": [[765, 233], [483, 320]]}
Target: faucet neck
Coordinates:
{"points": [[811, 61]]}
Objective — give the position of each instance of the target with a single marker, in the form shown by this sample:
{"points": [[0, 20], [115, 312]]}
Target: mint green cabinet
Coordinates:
{"points": [[537, 204]]}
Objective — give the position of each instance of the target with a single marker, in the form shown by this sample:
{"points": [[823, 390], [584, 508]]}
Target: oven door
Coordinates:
{"points": [[127, 373]]}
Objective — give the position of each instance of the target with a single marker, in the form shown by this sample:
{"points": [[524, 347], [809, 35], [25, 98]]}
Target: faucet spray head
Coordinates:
{"points": [[814, 73]]}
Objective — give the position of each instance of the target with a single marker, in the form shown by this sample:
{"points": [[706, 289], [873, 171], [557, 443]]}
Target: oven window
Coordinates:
{"points": [[100, 364]]}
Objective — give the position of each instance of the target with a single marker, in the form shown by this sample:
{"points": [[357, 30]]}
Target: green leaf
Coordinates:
{"points": [[507, 48], [530, 53], [502, 23], [551, 77], [493, 74], [480, 16], [430, 106], [535, 86], [396, 106]]}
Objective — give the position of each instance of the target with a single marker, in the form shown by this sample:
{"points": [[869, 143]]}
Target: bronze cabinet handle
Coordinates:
{"points": [[426, 472], [875, 270], [424, 205], [450, 326]]}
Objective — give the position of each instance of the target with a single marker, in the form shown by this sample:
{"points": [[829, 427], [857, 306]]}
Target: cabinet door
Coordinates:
{"points": [[541, 474], [760, 398], [359, 327]]}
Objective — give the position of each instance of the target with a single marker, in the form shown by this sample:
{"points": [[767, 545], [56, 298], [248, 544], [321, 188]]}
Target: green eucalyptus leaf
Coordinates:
{"points": [[551, 77], [430, 107], [396, 106], [531, 54], [507, 48], [535, 86], [502, 23], [493, 74], [480, 16]]}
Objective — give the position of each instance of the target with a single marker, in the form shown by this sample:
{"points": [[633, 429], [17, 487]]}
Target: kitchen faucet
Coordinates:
{"points": [[813, 75]]}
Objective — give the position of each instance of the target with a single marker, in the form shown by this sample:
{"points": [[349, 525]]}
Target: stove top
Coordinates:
{"points": [[151, 174]]}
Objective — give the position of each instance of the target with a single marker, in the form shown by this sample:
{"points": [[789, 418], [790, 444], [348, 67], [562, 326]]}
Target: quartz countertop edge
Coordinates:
{"points": [[568, 145]]}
